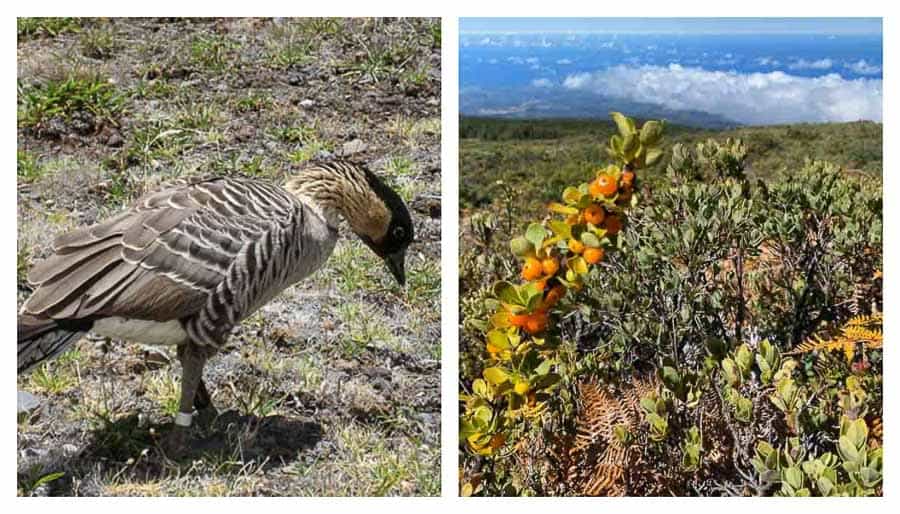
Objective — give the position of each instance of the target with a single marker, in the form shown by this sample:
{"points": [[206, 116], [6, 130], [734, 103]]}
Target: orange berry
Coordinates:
{"points": [[594, 214], [550, 265], [576, 246], [593, 255], [627, 178], [604, 185], [536, 323], [518, 320], [613, 225], [532, 269], [541, 284]]}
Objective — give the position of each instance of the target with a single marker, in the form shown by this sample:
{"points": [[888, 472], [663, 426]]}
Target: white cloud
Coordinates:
{"points": [[863, 68], [767, 61], [803, 64], [542, 83], [755, 98], [564, 61]]}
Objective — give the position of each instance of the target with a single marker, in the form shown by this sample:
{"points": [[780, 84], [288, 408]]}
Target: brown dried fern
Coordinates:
{"points": [[598, 460]]}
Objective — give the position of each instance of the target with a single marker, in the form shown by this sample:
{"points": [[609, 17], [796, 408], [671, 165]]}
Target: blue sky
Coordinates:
{"points": [[676, 25], [746, 70]]}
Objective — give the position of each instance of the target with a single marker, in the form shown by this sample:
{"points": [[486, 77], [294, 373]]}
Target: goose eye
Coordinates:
{"points": [[399, 233]]}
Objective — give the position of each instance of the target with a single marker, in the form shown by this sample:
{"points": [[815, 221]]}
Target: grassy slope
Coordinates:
{"points": [[538, 158], [332, 388]]}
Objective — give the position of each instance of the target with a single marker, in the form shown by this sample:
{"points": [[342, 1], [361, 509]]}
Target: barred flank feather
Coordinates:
{"points": [[41, 339]]}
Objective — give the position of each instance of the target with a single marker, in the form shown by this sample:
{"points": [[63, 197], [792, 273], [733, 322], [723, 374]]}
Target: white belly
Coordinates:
{"points": [[141, 331]]}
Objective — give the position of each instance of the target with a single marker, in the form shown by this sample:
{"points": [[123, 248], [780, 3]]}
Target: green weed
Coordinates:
{"points": [[27, 166], [98, 43], [92, 96], [45, 27]]}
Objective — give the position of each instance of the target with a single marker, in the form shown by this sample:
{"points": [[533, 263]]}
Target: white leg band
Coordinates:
{"points": [[183, 419]]}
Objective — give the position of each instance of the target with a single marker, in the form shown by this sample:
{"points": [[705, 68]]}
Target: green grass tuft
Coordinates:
{"points": [[63, 99], [27, 28], [27, 166]]}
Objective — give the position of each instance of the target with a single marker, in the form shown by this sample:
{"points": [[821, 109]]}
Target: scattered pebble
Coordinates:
{"points": [[354, 147], [26, 402]]}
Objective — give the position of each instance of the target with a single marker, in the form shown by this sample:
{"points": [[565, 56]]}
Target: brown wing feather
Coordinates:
{"points": [[159, 260]]}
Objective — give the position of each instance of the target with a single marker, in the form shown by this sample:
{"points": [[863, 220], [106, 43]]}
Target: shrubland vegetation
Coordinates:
{"points": [[727, 341]]}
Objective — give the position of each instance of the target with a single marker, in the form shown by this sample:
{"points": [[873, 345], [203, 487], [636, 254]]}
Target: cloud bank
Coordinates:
{"points": [[753, 98], [803, 64], [863, 68]]}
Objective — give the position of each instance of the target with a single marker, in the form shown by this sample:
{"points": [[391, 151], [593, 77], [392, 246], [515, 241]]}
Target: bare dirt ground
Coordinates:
{"points": [[330, 389]]}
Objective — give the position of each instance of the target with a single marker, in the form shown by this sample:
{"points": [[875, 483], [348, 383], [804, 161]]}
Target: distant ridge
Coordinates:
{"points": [[538, 103]]}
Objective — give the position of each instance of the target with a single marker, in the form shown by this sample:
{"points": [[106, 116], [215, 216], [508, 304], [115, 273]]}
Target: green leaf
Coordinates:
{"points": [[623, 123], [794, 477], [495, 375], [590, 239], [648, 404], [480, 387], [651, 132], [507, 293], [521, 246], [46, 479], [671, 378], [536, 234], [578, 265], [653, 155], [499, 339], [572, 195], [847, 450], [561, 228], [744, 360], [825, 486], [629, 147], [529, 293]]}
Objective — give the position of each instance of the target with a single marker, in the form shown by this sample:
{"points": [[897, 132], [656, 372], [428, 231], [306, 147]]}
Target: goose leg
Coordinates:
{"points": [[192, 359], [206, 411]]}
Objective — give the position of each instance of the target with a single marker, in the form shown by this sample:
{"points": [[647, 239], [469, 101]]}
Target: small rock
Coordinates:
{"points": [[307, 103], [246, 133], [295, 79], [115, 139], [353, 147], [26, 402], [390, 100]]}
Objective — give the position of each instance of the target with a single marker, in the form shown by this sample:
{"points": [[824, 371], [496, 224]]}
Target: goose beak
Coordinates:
{"points": [[396, 262]]}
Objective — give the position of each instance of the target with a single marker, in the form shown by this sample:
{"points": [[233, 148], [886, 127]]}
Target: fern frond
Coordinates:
{"points": [[859, 330]]}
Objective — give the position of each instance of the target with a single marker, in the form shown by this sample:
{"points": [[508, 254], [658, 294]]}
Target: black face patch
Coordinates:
{"points": [[400, 231]]}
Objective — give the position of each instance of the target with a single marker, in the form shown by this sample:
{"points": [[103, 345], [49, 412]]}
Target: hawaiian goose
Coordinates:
{"points": [[186, 264]]}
